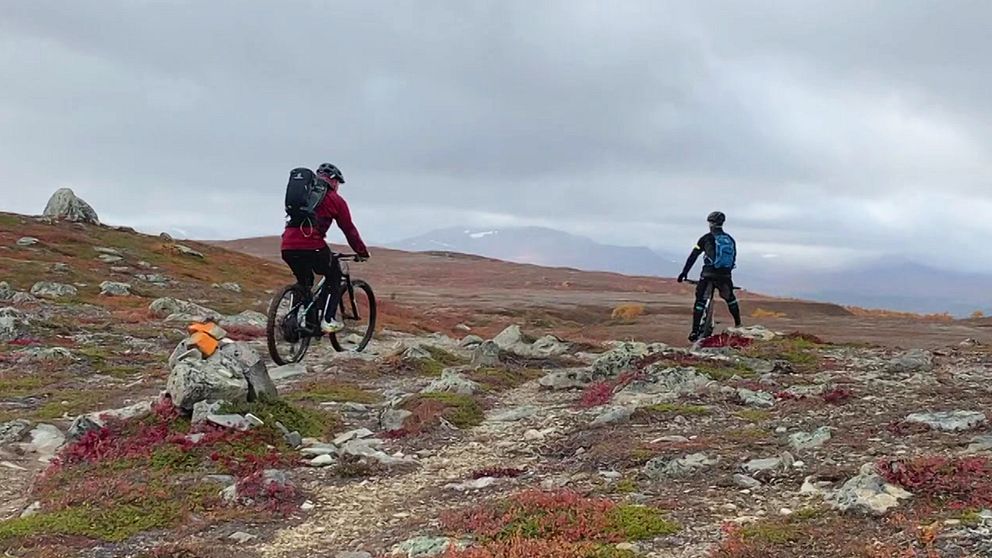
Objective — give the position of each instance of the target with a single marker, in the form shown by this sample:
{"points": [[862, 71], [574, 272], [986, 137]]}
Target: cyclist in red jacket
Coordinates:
{"points": [[305, 250]]}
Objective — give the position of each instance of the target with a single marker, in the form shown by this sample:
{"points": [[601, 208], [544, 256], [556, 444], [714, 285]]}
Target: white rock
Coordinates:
{"points": [[65, 205], [322, 460]]}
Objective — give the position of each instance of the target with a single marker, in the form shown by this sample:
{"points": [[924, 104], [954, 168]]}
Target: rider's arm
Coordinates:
{"points": [[693, 256], [347, 226]]}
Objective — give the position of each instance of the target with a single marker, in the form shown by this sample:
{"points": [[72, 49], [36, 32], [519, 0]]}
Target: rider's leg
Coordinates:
{"points": [[330, 268], [702, 291], [727, 293], [300, 262]]}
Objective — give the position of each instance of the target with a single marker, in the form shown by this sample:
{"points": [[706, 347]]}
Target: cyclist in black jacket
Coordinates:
{"points": [[720, 254]]}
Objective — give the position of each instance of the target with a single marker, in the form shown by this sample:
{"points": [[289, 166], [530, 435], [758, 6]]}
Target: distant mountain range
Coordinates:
{"points": [[546, 247], [891, 284]]}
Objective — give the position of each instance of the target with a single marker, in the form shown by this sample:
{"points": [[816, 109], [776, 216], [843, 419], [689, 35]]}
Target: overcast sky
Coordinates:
{"points": [[828, 131]]}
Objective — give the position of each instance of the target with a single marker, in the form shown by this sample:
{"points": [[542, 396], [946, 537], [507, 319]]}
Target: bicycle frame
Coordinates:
{"points": [[346, 287]]}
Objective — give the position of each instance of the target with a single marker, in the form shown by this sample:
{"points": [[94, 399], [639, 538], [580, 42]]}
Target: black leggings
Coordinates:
{"points": [[305, 263], [724, 286]]}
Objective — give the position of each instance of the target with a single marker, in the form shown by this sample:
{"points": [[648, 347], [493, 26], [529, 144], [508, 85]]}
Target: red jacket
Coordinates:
{"points": [[333, 208]]}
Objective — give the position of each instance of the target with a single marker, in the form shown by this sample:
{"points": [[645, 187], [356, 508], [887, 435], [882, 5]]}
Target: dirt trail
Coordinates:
{"points": [[356, 516]]}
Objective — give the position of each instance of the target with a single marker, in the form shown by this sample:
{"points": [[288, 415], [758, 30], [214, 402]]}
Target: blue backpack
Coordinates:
{"points": [[725, 253]]}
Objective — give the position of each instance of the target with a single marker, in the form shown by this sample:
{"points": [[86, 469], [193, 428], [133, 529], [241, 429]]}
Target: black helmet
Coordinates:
{"points": [[717, 218], [331, 171]]}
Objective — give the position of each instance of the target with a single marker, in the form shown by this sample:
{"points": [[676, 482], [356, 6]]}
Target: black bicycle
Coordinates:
{"points": [[706, 327], [287, 332]]}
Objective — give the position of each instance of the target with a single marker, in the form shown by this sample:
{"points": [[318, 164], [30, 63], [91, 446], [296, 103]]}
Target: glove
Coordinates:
{"points": [[682, 277], [362, 258]]}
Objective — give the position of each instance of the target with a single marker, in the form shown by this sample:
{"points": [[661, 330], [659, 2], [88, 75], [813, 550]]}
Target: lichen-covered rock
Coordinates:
{"points": [[192, 381], [950, 421], [916, 360], [755, 398], [570, 378], [248, 318], [13, 324], [113, 288], [512, 340], [661, 468], [51, 290], [769, 465], [453, 382], [187, 251], [613, 415], [620, 359], [173, 309], [810, 440], [13, 431], [486, 354], [44, 354], [867, 493], [66, 206]]}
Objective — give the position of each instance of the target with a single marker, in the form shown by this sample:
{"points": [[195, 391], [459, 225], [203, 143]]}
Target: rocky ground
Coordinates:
{"points": [[456, 445]]}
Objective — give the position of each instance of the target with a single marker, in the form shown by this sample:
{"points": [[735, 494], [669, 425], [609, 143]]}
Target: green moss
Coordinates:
{"points": [[115, 524], [429, 367], [444, 357], [332, 391], [754, 415], [608, 551], [807, 514], [308, 422], [800, 352], [724, 373], [173, 458], [9, 221], [70, 402], [626, 486], [22, 385], [772, 533], [970, 518], [638, 523], [461, 410]]}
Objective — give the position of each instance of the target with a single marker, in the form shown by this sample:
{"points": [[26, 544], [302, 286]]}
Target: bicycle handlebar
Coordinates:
{"points": [[347, 256]]}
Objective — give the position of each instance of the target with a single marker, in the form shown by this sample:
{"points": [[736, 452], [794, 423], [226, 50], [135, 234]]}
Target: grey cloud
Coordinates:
{"points": [[822, 124]]}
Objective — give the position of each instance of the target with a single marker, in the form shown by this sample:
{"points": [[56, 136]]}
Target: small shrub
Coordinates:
{"points": [[594, 395], [958, 483], [762, 313], [627, 311], [726, 340], [562, 515], [837, 396], [244, 332], [519, 547], [428, 408], [496, 472], [145, 474]]}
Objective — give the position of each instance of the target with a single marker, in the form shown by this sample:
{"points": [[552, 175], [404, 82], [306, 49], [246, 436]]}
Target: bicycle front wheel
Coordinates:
{"points": [[358, 312]]}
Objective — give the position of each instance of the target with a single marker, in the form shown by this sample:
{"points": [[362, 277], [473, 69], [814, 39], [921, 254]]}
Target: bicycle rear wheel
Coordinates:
{"points": [[358, 312], [287, 343]]}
